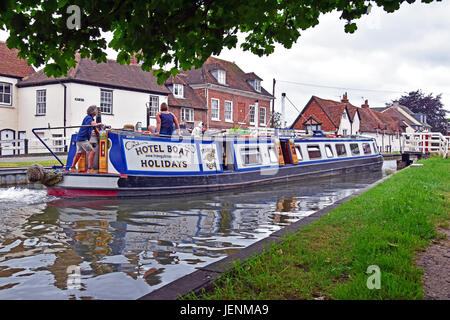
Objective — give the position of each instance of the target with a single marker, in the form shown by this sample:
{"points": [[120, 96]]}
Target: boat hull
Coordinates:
{"points": [[109, 185]]}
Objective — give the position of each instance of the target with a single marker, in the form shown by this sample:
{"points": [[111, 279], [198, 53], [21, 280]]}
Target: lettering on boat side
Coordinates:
{"points": [[163, 156], [225, 310]]}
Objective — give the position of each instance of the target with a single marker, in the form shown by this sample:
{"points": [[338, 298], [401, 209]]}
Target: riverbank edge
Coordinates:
{"points": [[204, 277]]}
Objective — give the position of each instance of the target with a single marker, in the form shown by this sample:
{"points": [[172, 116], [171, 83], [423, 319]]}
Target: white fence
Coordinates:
{"points": [[426, 142], [29, 146]]}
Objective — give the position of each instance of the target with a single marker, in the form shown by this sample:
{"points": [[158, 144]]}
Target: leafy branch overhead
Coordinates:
{"points": [[161, 33]]}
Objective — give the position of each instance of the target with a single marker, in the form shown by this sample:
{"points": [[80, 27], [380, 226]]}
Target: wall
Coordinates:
{"points": [[345, 123], [241, 108], [8, 114]]}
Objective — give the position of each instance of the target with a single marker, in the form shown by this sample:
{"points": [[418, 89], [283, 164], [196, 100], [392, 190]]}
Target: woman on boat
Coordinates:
{"points": [[165, 121]]}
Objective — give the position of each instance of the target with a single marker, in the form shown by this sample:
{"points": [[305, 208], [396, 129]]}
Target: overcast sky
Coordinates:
{"points": [[389, 54]]}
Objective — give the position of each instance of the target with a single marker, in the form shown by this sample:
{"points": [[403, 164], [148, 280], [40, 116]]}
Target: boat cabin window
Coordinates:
{"points": [[329, 151], [314, 152], [273, 155], [354, 148], [298, 151], [340, 150], [251, 156], [366, 148]]}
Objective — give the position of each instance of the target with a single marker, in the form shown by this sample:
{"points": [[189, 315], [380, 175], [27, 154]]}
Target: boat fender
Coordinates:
{"points": [[37, 174]]}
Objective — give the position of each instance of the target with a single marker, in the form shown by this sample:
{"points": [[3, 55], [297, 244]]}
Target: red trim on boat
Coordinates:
{"points": [[71, 193]]}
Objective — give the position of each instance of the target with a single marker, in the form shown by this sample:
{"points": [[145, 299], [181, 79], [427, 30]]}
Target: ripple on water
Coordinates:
{"points": [[21, 197]]}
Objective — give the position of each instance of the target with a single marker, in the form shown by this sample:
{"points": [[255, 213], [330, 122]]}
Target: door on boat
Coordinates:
{"points": [[289, 152]]}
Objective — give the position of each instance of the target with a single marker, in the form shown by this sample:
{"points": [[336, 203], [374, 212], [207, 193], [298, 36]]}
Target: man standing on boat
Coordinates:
{"points": [[83, 137], [165, 121]]}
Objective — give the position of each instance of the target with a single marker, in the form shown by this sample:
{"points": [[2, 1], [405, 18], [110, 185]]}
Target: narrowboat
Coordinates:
{"points": [[131, 163]]}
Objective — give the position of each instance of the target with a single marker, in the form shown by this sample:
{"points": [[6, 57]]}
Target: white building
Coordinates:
{"points": [[122, 92], [12, 70]]}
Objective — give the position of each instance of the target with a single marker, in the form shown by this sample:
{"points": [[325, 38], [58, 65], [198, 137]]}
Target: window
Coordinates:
{"points": [[313, 127], [329, 151], [153, 107], [262, 116], [187, 114], [354, 148], [252, 114], [258, 85], [273, 155], [314, 152], [41, 102], [228, 111], [344, 132], [344, 115], [366, 148], [215, 109], [250, 156], [298, 151], [58, 142], [221, 76], [106, 101], [340, 150], [6, 93], [375, 147], [178, 90]]}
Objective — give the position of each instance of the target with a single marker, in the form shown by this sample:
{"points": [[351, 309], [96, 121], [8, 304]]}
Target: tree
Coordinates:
{"points": [[176, 33], [276, 120], [430, 105]]}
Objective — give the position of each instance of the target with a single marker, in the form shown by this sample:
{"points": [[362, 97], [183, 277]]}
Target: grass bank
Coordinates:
{"points": [[18, 164], [328, 259]]}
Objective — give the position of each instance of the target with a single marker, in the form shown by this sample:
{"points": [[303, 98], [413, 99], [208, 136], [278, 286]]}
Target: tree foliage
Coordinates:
{"points": [[161, 33], [431, 106]]}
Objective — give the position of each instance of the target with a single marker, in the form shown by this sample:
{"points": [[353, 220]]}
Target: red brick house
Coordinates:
{"points": [[232, 97], [343, 118]]}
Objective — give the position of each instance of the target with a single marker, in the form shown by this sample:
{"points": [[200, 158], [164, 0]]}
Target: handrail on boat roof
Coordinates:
{"points": [[56, 128]]}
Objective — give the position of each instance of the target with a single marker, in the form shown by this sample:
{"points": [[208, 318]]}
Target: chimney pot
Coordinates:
{"points": [[344, 98], [366, 104]]}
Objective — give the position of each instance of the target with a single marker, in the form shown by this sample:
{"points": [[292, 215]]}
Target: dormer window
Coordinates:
{"points": [[257, 85], [221, 76], [178, 90]]}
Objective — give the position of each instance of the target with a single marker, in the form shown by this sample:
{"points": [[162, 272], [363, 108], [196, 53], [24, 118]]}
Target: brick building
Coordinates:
{"points": [[232, 97], [343, 118]]}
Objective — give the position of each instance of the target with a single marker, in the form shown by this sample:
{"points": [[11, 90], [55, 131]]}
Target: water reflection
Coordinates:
{"points": [[125, 248]]}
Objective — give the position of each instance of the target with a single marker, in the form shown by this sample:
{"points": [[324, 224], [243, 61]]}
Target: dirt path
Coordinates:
{"points": [[436, 263]]}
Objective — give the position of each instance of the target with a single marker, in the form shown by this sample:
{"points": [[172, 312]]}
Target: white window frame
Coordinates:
{"points": [[178, 90], [258, 85], [153, 106], [218, 109], [221, 76], [104, 101], [230, 112], [262, 123], [187, 114], [251, 107], [41, 102], [3, 93]]}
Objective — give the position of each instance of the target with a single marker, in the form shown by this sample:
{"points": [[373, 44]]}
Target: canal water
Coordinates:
{"points": [[54, 248]]}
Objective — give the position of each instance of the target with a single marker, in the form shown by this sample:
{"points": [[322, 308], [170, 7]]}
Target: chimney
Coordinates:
{"points": [[133, 59], [344, 98], [366, 104]]}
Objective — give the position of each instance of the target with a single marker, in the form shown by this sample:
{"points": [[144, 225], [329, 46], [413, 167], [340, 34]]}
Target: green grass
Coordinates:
{"points": [[29, 163], [386, 226]]}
